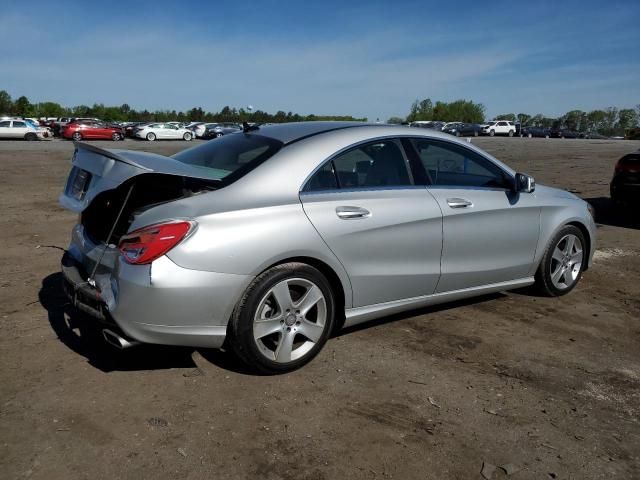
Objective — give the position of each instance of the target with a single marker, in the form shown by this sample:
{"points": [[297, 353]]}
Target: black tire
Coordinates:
{"points": [[457, 134], [240, 331], [475, 133], [115, 136], [77, 136], [511, 133], [492, 133], [218, 135], [543, 284], [187, 137], [30, 137], [151, 137]]}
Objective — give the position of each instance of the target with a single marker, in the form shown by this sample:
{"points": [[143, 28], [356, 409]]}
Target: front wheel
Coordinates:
{"points": [[151, 137], [115, 136], [562, 263], [492, 133], [187, 137], [30, 137], [283, 319], [475, 133]]}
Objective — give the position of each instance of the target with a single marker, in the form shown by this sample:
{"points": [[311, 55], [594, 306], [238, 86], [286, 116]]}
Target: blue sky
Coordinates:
{"points": [[333, 57]]}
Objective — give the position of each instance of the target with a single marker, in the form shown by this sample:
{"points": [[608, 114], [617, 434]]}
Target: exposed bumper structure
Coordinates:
{"points": [[160, 303]]}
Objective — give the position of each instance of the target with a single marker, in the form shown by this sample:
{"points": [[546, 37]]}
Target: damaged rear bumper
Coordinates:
{"points": [[160, 303]]}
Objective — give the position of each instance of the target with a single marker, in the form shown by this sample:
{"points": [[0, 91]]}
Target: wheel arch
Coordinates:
{"points": [[587, 237]]}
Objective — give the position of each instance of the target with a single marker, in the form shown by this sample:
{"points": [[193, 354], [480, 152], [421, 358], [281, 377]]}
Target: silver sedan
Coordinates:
{"points": [[269, 240]]}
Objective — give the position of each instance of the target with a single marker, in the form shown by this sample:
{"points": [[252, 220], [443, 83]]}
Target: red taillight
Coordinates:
{"points": [[628, 164], [148, 243]]}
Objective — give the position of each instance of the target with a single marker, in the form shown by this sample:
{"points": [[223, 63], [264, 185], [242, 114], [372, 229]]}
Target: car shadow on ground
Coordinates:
{"points": [[83, 335], [609, 213]]}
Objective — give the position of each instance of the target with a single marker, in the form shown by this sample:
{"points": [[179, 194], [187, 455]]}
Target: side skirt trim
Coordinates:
{"points": [[354, 316]]}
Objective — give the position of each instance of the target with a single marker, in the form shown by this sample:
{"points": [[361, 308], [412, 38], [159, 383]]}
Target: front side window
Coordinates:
{"points": [[502, 124], [453, 165], [375, 164]]}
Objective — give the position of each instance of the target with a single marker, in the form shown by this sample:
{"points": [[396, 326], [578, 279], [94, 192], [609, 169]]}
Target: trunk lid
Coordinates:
{"points": [[96, 170]]}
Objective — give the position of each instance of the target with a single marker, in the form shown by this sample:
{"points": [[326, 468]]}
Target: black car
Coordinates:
{"points": [[537, 132], [215, 130], [462, 129], [625, 185], [563, 133]]}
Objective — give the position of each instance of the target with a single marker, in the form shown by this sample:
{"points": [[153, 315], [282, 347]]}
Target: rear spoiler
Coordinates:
{"points": [[107, 153]]}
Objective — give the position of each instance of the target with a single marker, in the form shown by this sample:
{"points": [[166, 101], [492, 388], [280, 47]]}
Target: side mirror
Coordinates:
{"points": [[524, 183]]}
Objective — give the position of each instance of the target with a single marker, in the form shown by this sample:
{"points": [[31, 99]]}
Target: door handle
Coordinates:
{"points": [[352, 213], [458, 203]]}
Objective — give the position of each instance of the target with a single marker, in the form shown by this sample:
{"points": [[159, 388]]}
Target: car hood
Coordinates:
{"points": [[552, 192]]}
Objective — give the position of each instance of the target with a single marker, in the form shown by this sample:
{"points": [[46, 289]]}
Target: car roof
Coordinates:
{"points": [[294, 131]]}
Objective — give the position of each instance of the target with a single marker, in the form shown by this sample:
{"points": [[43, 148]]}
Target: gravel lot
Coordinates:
{"points": [[551, 386]]}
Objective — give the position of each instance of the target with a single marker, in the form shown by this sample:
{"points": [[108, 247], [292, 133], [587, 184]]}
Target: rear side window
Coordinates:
{"points": [[453, 165], [375, 164], [5, 124], [19, 124], [230, 157]]}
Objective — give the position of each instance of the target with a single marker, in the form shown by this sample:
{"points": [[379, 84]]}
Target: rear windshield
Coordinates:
{"points": [[230, 157]]}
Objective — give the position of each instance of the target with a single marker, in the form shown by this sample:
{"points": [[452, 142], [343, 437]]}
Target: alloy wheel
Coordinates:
{"points": [[566, 262], [290, 319]]}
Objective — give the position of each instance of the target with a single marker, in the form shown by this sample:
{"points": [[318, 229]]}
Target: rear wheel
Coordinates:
{"points": [[151, 137], [77, 136], [283, 319], [30, 137], [562, 263], [511, 133]]}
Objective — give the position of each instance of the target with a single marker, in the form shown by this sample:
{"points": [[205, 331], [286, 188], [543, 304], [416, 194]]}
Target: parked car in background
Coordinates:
{"points": [[625, 185], [22, 129], [216, 130], [430, 124], [92, 130], [266, 240], [563, 133], [197, 128], [131, 129], [163, 131], [535, 132], [460, 129], [499, 127]]}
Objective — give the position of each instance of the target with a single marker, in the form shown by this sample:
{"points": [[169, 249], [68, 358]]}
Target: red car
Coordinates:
{"points": [[91, 130]]}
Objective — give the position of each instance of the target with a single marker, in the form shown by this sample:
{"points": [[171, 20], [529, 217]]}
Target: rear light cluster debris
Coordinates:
{"points": [[146, 244]]}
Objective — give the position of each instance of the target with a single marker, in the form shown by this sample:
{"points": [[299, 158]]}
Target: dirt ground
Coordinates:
{"points": [[549, 385]]}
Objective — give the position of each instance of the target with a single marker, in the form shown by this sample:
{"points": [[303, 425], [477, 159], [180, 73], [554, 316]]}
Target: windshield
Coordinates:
{"points": [[230, 157]]}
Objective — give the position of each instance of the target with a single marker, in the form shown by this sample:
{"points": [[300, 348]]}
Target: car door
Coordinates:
{"points": [[5, 129], [490, 233], [18, 129], [384, 229]]}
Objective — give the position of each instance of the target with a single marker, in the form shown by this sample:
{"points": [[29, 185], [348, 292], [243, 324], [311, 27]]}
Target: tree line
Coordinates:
{"points": [[22, 107], [611, 121]]}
